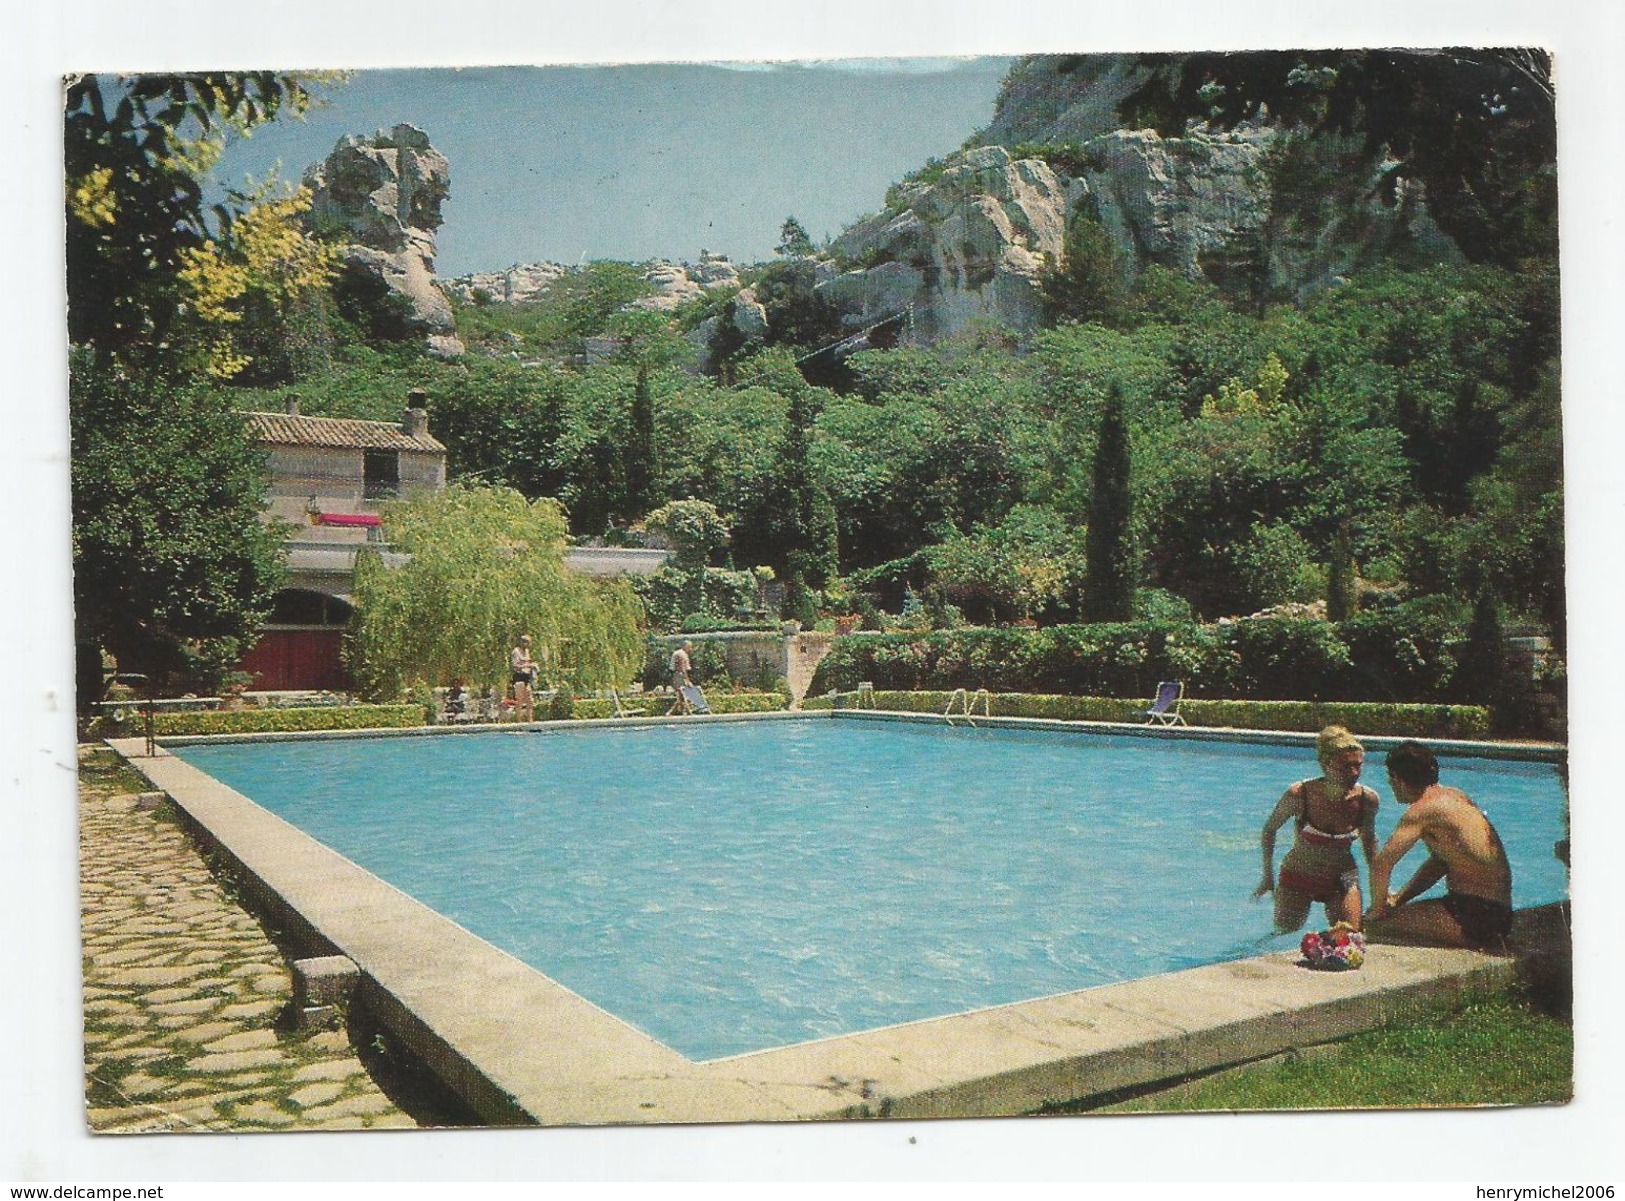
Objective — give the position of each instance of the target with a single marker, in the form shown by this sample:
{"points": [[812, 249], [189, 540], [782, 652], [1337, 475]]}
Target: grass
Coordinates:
{"points": [[1502, 1049], [102, 774]]}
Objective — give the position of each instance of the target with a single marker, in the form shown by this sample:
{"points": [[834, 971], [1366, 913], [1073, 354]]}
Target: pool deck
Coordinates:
{"points": [[523, 1049]]}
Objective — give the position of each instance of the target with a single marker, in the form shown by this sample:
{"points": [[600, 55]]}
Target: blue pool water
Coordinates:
{"points": [[731, 887]]}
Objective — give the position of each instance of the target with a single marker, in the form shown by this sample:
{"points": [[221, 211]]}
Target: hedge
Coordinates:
{"points": [[1395, 720], [1401, 654], [263, 721], [655, 705], [390, 717]]}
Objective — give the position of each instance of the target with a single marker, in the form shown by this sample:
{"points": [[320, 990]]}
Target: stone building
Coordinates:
{"points": [[328, 475]]}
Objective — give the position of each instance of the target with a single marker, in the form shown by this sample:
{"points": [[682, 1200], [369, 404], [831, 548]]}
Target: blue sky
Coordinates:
{"points": [[646, 161]]}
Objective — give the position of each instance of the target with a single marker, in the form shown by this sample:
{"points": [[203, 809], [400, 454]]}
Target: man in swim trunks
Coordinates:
{"points": [[1463, 849], [522, 674], [1331, 813]]}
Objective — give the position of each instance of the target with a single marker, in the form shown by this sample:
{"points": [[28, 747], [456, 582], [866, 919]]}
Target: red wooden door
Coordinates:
{"points": [[297, 659]]}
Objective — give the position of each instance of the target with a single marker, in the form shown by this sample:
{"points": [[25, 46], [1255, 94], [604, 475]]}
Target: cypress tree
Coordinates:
{"points": [[1481, 674], [1109, 575], [640, 466], [807, 514], [1341, 596]]}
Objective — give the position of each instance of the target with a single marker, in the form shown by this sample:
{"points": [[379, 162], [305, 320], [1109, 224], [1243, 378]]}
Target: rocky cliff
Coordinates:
{"points": [[974, 243], [968, 246], [380, 197], [970, 241], [1059, 98]]}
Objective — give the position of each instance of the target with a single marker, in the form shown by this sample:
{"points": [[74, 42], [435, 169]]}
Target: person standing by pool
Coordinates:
{"points": [[682, 678], [682, 666], [1463, 850], [1332, 813], [522, 673]]}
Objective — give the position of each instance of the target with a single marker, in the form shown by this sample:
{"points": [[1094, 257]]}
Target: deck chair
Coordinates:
{"points": [[1165, 709], [689, 700], [623, 710]]}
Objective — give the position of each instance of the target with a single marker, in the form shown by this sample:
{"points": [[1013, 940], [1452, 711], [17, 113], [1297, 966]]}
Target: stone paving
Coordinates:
{"points": [[183, 991]]}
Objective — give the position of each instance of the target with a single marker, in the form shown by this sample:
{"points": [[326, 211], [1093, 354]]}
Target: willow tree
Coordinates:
{"points": [[469, 570]]}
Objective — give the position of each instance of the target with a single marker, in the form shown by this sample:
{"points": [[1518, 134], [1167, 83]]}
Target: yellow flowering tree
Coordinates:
{"points": [[1236, 398], [248, 289], [136, 148]]}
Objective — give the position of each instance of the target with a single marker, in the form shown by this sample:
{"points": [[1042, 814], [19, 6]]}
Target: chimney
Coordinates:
{"points": [[416, 424], [290, 404]]}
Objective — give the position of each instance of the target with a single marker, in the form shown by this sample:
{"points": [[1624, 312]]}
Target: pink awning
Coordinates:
{"points": [[353, 519]]}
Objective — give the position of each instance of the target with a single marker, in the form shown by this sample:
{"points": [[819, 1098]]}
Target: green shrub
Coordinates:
{"points": [[1377, 718], [672, 601], [585, 708], [748, 702], [262, 721], [1281, 657], [1403, 652], [1123, 658]]}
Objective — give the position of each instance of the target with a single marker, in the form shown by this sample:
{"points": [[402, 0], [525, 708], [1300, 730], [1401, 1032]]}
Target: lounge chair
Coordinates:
{"points": [[1165, 709], [689, 700], [623, 710]]}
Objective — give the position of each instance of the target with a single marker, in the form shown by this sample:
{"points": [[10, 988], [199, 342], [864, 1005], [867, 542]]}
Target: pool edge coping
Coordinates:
{"points": [[1003, 1059], [1539, 752]]}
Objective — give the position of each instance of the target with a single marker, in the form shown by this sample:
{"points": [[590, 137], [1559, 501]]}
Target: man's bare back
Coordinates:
{"points": [[1463, 850], [1456, 831]]}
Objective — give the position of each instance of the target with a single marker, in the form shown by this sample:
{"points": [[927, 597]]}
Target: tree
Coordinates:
{"points": [[641, 468], [794, 241], [173, 568], [1003, 573], [798, 315], [1087, 285], [135, 150], [1109, 568], [803, 515], [696, 531], [1342, 595], [484, 566], [257, 294], [1481, 668]]}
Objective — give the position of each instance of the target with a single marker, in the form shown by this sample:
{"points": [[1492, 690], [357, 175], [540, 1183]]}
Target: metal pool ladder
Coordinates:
{"points": [[967, 705]]}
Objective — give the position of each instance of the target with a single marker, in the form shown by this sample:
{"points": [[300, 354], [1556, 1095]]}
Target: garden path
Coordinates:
{"points": [[183, 991]]}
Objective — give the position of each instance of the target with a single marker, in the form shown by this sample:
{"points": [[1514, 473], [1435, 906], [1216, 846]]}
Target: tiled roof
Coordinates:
{"points": [[286, 429]]}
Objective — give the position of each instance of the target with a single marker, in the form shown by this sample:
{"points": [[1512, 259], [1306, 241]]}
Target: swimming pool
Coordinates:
{"points": [[731, 887]]}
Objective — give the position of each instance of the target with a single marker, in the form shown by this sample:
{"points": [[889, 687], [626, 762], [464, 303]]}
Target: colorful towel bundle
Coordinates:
{"points": [[1335, 950]]}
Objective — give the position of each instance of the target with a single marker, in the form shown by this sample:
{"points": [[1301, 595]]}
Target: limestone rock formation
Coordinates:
{"points": [[519, 283], [1059, 98], [746, 319], [380, 196], [1184, 203], [677, 283], [1201, 203], [974, 243], [971, 245]]}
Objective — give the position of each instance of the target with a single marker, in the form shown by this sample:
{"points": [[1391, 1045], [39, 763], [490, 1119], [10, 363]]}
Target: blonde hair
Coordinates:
{"points": [[1333, 739]]}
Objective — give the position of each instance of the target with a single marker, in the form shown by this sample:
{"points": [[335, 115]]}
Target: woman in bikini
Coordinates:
{"points": [[1332, 813]]}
